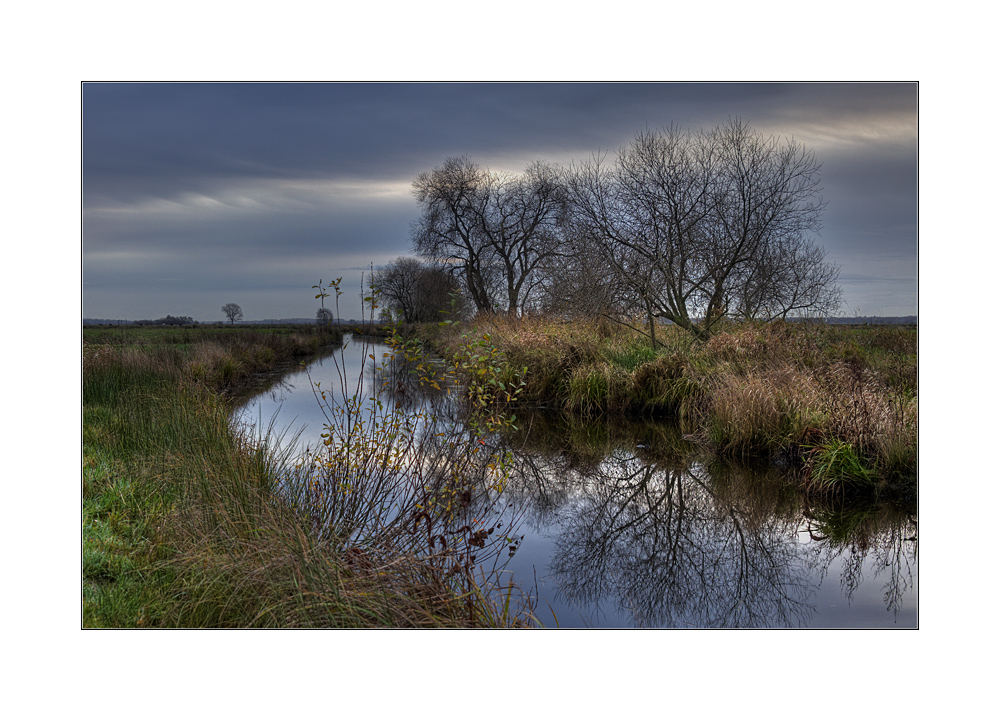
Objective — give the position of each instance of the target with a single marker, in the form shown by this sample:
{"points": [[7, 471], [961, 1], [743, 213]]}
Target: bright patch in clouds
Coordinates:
{"points": [[263, 195]]}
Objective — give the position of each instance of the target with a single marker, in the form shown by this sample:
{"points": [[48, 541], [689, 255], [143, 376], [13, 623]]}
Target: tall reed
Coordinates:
{"points": [[393, 481]]}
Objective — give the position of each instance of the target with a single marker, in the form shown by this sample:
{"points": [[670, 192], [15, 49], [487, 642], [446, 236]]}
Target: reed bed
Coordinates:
{"points": [[803, 393]]}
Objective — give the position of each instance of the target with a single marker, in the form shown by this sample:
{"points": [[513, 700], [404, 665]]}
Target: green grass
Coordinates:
{"points": [[218, 357], [181, 526], [836, 467], [633, 356]]}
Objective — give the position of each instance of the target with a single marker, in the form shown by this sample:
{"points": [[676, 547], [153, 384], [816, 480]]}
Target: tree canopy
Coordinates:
{"points": [[495, 230], [694, 227]]}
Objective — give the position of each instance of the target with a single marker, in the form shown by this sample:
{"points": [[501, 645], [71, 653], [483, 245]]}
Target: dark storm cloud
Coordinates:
{"points": [[218, 188], [162, 139], [165, 139]]}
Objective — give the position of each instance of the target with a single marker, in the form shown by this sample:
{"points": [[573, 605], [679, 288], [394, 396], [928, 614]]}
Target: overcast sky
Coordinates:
{"points": [[195, 195]]}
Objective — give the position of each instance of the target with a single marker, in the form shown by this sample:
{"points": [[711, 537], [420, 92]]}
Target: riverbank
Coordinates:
{"points": [[181, 526], [837, 405]]}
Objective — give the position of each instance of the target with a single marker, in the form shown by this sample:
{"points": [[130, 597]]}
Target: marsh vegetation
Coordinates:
{"points": [[626, 518], [835, 405], [412, 507], [189, 520]]}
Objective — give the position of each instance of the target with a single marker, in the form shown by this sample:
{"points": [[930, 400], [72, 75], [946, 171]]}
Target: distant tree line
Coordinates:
{"points": [[692, 227], [167, 321]]}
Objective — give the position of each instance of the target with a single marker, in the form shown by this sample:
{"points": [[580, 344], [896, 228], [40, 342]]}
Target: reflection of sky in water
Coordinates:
{"points": [[866, 608], [533, 574], [291, 403], [841, 605], [589, 579]]}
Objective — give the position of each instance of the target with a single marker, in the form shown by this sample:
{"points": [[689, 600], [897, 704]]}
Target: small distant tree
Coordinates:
{"points": [[324, 316], [233, 312]]}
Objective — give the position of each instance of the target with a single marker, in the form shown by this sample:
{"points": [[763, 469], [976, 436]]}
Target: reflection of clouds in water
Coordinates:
{"points": [[665, 541], [876, 541]]}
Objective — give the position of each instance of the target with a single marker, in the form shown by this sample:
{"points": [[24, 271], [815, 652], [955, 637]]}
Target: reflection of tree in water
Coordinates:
{"points": [[883, 536], [656, 539], [556, 456], [673, 542]]}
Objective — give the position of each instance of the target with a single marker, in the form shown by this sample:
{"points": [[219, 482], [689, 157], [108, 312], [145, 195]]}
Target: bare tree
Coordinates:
{"points": [[698, 227], [768, 200], [579, 283], [448, 229], [418, 292], [495, 229], [324, 316], [396, 286], [645, 217], [233, 312], [793, 277], [439, 296]]}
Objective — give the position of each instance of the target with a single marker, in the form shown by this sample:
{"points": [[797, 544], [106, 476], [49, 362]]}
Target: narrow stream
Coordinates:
{"points": [[626, 524]]}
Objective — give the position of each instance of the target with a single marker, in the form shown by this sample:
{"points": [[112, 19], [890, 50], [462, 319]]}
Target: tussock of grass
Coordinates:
{"points": [[763, 412], [835, 467], [596, 388], [668, 384]]}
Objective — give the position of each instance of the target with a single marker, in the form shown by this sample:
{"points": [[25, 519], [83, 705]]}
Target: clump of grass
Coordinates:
{"points": [[670, 383], [880, 423], [596, 388], [835, 467], [896, 442], [760, 414], [632, 356]]}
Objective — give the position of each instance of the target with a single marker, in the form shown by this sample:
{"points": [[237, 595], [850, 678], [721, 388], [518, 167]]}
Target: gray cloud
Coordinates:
{"points": [[196, 193]]}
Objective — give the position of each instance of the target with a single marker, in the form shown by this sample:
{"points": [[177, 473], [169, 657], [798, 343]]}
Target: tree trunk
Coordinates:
{"points": [[652, 325]]}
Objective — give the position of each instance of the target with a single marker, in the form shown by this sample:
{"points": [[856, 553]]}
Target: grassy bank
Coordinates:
{"points": [[181, 524], [838, 403], [220, 357]]}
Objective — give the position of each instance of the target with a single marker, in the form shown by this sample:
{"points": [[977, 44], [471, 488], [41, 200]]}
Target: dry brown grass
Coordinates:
{"points": [[754, 390], [763, 411]]}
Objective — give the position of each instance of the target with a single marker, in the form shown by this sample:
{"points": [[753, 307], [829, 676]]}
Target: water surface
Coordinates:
{"points": [[627, 524]]}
